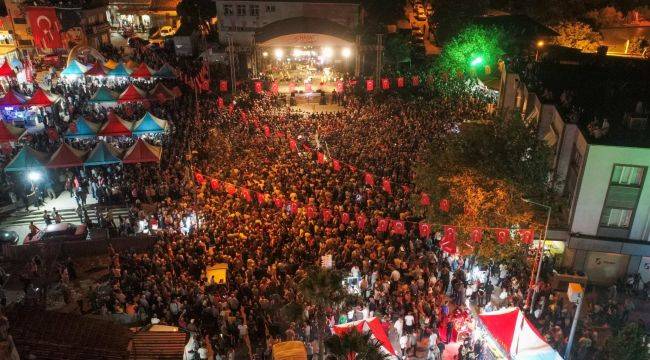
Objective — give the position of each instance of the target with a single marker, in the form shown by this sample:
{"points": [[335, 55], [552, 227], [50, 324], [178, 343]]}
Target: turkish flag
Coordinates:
{"points": [[246, 194], [385, 83], [220, 103], [400, 82], [45, 27], [448, 242], [336, 165], [292, 87], [274, 88], [382, 225], [278, 202], [244, 117], [370, 85], [310, 212], [503, 235], [199, 178], [223, 85], [444, 205], [415, 80], [231, 108], [361, 221], [398, 227], [258, 87], [385, 184], [214, 184], [345, 218], [476, 234], [308, 87], [267, 131], [260, 197], [369, 179], [294, 207], [327, 215], [293, 145], [352, 168], [320, 158], [527, 235], [425, 229], [230, 188], [424, 199]]}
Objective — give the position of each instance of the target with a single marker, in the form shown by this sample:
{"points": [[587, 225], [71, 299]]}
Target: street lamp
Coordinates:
{"points": [[346, 52], [278, 53], [540, 254], [540, 44]]}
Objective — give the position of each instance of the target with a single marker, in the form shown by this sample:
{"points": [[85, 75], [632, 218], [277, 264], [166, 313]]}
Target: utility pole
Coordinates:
{"points": [[254, 58], [574, 325], [357, 59], [231, 60], [380, 49]]}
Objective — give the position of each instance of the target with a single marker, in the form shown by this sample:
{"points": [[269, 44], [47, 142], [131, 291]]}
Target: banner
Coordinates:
{"points": [[45, 27], [400, 82], [223, 85], [385, 84], [72, 34], [258, 87], [370, 85]]}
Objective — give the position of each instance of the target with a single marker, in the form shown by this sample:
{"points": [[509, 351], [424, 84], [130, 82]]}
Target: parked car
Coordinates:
{"points": [[167, 31], [59, 232], [8, 237]]}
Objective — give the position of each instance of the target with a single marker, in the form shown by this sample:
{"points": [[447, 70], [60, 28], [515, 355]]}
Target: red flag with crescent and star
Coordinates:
{"points": [[476, 235], [503, 235], [361, 221], [526, 235], [398, 227], [448, 241], [425, 229], [45, 27]]}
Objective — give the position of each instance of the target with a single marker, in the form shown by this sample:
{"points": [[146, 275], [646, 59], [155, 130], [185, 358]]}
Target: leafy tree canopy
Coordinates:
{"points": [[473, 47], [630, 343], [577, 35], [451, 16]]}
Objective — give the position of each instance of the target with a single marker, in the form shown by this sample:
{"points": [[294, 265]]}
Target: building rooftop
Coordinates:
{"points": [[299, 25]]}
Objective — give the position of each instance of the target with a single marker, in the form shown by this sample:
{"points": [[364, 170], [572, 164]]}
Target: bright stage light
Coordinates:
{"points": [[346, 52], [34, 176], [297, 53], [278, 53], [265, 54], [327, 52]]}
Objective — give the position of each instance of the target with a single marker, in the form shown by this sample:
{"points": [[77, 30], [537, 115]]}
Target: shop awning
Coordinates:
{"points": [[116, 126], [142, 152], [165, 72], [82, 128], [10, 133], [111, 64], [41, 98], [371, 324], [66, 156], [103, 95], [74, 69], [27, 159], [142, 72], [96, 70], [12, 98], [132, 93], [103, 154], [161, 93], [120, 71], [7, 71], [217, 273], [289, 350], [149, 124]]}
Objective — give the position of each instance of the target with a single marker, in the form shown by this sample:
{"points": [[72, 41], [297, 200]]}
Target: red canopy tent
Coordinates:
{"points": [[161, 93], [132, 93], [42, 99], [371, 324], [97, 70], [142, 72], [12, 98], [66, 156], [115, 126], [142, 152], [9, 133], [6, 70]]}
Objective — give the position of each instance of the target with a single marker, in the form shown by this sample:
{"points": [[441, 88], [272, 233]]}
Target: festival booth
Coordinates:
{"points": [[132, 93], [142, 72], [165, 72], [115, 126], [131, 65], [217, 273], [12, 107], [104, 96], [12, 99], [142, 152], [289, 350], [96, 70], [150, 124], [161, 93], [27, 159], [372, 325], [110, 64], [41, 98], [6, 71], [82, 129], [119, 71], [103, 154], [10, 133], [74, 70], [66, 157], [516, 336]]}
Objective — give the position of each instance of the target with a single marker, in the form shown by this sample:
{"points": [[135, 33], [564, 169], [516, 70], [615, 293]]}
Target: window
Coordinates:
{"points": [[270, 8], [241, 10], [254, 10], [616, 218], [627, 175], [20, 21], [227, 10]]}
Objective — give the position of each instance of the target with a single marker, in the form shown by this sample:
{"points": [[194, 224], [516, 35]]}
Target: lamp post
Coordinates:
{"points": [[540, 255], [576, 295], [540, 44]]}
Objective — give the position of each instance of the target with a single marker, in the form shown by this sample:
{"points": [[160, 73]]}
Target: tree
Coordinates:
{"points": [[451, 16], [194, 13], [638, 45], [577, 35], [472, 44], [361, 345], [630, 343], [606, 17], [397, 49]]}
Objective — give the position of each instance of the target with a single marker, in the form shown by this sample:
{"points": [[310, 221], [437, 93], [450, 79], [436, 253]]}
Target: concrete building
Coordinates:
{"points": [[142, 15], [601, 157]]}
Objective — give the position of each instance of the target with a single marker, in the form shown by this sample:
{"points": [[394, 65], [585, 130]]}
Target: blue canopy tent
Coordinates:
{"points": [[165, 72], [103, 95], [75, 69], [120, 71], [149, 124], [27, 159], [103, 154], [82, 129]]}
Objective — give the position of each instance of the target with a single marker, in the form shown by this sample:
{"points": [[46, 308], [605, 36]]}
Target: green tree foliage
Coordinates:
{"points": [[606, 17], [577, 35], [471, 43], [452, 16], [630, 343], [362, 345], [398, 49]]}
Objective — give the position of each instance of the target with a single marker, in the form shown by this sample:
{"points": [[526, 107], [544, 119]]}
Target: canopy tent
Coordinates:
{"points": [[142, 152], [149, 124], [12, 98], [165, 72], [111, 64], [96, 70], [161, 93], [66, 156], [75, 68], [103, 95], [289, 350], [9, 133], [120, 71], [142, 72], [132, 93], [6, 70], [41, 98], [27, 159], [103, 154], [131, 64], [371, 324], [115, 126], [216, 274], [517, 336], [82, 128]]}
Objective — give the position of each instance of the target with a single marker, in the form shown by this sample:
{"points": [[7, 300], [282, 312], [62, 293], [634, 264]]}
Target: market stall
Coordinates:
{"points": [[142, 152]]}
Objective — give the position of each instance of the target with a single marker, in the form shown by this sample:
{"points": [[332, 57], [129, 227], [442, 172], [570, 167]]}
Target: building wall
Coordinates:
{"points": [[95, 23], [22, 35]]}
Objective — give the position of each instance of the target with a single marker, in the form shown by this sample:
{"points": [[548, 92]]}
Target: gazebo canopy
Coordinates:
{"points": [[165, 72], [103, 95], [120, 71], [27, 159], [96, 70], [74, 69], [149, 124], [111, 64], [132, 93], [66, 156], [142, 72], [9, 133], [103, 154], [41, 98], [82, 128], [12, 98], [161, 92], [115, 126], [6, 70], [142, 152]]}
